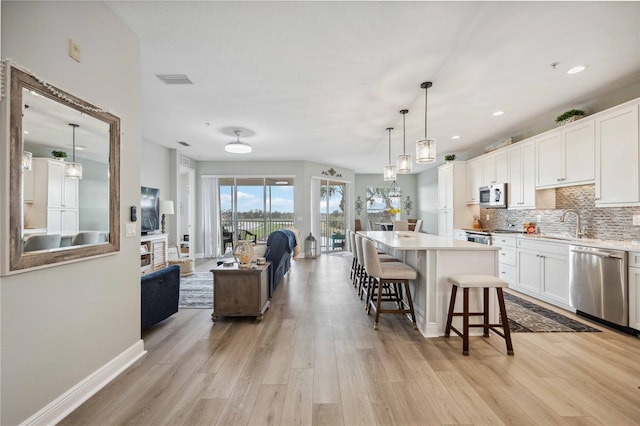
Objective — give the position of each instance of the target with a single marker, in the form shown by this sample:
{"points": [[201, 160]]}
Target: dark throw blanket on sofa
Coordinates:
{"points": [[280, 245]]}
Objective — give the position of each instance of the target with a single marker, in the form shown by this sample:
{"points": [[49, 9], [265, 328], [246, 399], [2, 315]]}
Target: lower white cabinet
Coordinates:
{"points": [[445, 223], [634, 290], [507, 258], [543, 271], [62, 221]]}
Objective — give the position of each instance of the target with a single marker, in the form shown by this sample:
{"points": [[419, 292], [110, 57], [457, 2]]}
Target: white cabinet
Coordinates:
{"points": [[459, 234], [54, 201], [452, 209], [543, 271], [473, 178], [153, 252], [566, 156], [494, 168], [522, 184], [617, 158]]}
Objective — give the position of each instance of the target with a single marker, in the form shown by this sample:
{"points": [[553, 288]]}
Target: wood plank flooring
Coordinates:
{"points": [[315, 359]]}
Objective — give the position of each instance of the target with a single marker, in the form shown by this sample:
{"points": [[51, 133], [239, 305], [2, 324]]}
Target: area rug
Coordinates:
{"points": [[525, 316], [196, 291]]}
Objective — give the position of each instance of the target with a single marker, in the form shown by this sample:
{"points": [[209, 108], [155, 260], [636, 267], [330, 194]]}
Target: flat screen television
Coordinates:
{"points": [[149, 210]]}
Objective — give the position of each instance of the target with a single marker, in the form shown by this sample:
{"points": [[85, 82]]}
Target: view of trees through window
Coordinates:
{"points": [[378, 205], [332, 215]]}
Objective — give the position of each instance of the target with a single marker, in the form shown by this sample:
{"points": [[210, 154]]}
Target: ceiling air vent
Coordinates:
{"points": [[174, 78], [183, 143]]}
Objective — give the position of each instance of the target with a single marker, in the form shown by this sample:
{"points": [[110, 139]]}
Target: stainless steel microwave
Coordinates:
{"points": [[493, 196]]}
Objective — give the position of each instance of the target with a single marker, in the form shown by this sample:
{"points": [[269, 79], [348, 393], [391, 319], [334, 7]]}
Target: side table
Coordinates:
{"points": [[240, 292]]}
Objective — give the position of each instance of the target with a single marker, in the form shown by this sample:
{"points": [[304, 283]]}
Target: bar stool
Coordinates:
{"points": [[351, 245], [465, 282], [388, 274], [361, 276]]}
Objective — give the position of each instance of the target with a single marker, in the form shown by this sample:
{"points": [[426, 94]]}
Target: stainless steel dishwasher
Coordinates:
{"points": [[598, 283]]}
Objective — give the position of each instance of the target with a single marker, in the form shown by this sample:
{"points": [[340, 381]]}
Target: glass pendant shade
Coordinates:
{"points": [[426, 151], [404, 164], [27, 160], [389, 172], [74, 170]]}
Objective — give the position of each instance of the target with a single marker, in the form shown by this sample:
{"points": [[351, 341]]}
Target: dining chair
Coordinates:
{"points": [[42, 242], [401, 225], [86, 237], [418, 225]]}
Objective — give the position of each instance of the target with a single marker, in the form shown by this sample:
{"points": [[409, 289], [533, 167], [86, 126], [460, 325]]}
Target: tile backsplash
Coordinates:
{"points": [[606, 223]]}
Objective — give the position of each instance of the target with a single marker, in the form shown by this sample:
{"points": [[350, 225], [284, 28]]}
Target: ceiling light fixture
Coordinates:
{"points": [[576, 69], [425, 148], [394, 191], [389, 169], [237, 147], [455, 137], [74, 170], [404, 160], [498, 113]]}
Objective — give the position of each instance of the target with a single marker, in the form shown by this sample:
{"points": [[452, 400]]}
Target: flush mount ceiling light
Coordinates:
{"points": [[74, 170], [404, 160], [455, 137], [425, 148], [498, 113], [389, 169], [237, 147], [576, 69]]}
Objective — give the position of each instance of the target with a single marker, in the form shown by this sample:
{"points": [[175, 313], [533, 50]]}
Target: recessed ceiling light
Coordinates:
{"points": [[498, 113], [577, 69], [26, 132], [455, 137]]}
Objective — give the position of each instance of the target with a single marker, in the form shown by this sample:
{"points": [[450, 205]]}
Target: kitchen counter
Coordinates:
{"points": [[606, 244], [435, 258]]}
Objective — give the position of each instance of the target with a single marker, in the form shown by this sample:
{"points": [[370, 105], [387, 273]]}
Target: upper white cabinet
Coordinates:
{"points": [[53, 203], [617, 158], [522, 185], [566, 156], [494, 168], [474, 174]]}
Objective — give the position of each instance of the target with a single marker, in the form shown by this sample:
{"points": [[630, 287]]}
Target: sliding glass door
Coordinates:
{"points": [[332, 215]]}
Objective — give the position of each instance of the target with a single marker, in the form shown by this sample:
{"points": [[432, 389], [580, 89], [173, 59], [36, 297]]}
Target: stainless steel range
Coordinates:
{"points": [[480, 237]]}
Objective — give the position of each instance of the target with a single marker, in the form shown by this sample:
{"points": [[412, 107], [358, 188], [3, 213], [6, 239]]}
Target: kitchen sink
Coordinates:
{"points": [[557, 237]]}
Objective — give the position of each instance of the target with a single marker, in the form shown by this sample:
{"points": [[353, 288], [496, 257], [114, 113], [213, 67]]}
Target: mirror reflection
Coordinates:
{"points": [[66, 184], [64, 176]]}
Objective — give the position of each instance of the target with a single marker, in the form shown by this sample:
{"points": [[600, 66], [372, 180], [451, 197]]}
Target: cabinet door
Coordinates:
{"points": [[69, 221], [529, 271], [617, 158], [634, 298], [528, 176], [549, 160], [555, 284], [28, 186], [515, 198], [70, 199], [579, 152], [445, 187], [54, 221], [55, 179], [473, 181], [445, 223], [488, 166], [501, 166]]}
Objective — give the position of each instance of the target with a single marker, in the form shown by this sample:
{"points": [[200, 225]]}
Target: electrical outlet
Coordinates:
{"points": [[74, 50], [538, 218], [636, 220]]}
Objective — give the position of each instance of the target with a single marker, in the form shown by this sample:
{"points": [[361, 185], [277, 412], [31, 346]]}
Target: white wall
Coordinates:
{"points": [[60, 324], [427, 204]]}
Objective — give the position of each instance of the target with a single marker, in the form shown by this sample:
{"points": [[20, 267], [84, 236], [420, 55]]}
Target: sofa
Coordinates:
{"points": [[281, 245], [160, 291]]}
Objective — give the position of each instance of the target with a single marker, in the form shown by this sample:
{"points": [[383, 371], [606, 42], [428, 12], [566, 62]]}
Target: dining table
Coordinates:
{"points": [[385, 226], [435, 258]]}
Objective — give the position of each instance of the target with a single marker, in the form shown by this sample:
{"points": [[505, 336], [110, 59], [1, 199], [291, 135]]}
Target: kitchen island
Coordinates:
{"points": [[435, 258]]}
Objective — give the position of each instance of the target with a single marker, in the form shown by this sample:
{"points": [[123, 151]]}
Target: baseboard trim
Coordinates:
{"points": [[62, 406]]}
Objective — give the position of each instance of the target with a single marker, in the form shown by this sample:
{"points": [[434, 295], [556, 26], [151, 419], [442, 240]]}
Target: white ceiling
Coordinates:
{"points": [[320, 81]]}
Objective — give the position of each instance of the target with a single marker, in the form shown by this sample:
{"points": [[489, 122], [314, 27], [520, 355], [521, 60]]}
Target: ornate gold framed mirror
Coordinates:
{"points": [[64, 176]]}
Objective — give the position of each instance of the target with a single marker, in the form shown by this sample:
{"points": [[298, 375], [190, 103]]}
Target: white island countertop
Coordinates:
{"points": [[407, 240]]}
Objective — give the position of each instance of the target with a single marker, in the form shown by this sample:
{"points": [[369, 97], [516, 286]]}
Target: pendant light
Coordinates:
{"points": [[425, 148], [237, 147], [404, 159], [389, 169], [74, 170], [394, 191]]}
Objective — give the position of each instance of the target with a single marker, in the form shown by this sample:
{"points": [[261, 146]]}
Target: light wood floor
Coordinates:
{"points": [[315, 359]]}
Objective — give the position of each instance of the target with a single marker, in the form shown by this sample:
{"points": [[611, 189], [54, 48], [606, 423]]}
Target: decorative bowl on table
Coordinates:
{"points": [[405, 234]]}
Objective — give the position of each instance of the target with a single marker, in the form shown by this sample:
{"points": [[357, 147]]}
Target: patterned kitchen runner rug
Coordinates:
{"points": [[527, 317], [196, 291]]}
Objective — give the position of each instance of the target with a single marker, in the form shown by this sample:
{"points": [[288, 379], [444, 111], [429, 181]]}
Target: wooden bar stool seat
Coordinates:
{"points": [[465, 282]]}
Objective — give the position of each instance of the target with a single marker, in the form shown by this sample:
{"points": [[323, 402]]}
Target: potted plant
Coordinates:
{"points": [[59, 155], [449, 157], [569, 116]]}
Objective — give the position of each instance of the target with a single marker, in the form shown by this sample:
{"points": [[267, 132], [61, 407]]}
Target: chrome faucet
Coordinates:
{"points": [[579, 233]]}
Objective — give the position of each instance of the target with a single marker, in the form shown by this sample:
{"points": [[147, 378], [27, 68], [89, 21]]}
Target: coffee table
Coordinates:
{"points": [[240, 291]]}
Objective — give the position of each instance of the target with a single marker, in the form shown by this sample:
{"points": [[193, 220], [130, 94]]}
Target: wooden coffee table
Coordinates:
{"points": [[240, 292]]}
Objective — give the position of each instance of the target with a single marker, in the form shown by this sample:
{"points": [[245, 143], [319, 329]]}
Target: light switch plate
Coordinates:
{"points": [[636, 220], [131, 229], [74, 50]]}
